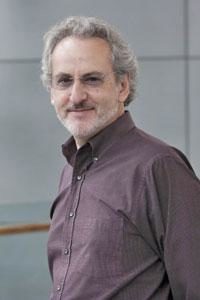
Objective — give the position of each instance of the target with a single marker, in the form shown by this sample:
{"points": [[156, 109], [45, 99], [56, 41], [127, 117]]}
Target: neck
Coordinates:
{"points": [[80, 143]]}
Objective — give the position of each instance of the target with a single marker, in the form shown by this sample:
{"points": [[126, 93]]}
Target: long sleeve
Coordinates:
{"points": [[172, 194]]}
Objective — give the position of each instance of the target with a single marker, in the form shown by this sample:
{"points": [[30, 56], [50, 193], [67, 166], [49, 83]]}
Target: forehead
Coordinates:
{"points": [[81, 55]]}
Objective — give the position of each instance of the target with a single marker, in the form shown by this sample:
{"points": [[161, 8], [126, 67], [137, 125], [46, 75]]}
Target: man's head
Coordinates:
{"points": [[90, 72]]}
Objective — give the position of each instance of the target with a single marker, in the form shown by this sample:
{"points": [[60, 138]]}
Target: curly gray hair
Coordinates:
{"points": [[123, 59]]}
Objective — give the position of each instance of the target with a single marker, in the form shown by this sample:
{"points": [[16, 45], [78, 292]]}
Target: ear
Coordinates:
{"points": [[124, 88]]}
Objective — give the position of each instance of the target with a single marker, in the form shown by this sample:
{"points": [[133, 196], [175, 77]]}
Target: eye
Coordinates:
{"points": [[93, 80], [63, 82]]}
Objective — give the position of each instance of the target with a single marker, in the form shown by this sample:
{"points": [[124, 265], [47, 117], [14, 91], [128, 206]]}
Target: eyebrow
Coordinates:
{"points": [[92, 73], [62, 74]]}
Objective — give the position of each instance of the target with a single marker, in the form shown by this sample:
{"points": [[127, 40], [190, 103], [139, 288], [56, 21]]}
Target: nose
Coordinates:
{"points": [[78, 92]]}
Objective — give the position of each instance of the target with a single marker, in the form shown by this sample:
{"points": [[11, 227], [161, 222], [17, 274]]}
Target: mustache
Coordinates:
{"points": [[79, 106]]}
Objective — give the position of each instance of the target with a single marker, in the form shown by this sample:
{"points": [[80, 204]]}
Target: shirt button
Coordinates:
{"points": [[79, 177], [95, 158], [58, 288], [66, 252], [71, 214]]}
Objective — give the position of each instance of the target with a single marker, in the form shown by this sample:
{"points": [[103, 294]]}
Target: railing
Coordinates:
{"points": [[23, 228]]}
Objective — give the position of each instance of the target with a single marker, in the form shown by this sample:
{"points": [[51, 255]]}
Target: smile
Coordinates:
{"points": [[80, 109]]}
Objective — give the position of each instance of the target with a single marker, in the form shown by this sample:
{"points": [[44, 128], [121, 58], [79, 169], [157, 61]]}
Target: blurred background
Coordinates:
{"points": [[164, 35]]}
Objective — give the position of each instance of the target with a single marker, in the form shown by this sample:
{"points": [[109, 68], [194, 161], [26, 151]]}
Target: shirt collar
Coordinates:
{"points": [[103, 140]]}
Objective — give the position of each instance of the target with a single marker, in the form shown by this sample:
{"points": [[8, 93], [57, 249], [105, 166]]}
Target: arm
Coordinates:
{"points": [[174, 196]]}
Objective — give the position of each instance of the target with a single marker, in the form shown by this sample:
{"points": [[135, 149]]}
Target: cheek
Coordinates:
{"points": [[60, 102], [102, 94]]}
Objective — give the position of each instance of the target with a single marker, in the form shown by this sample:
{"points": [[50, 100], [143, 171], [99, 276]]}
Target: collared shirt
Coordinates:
{"points": [[126, 222]]}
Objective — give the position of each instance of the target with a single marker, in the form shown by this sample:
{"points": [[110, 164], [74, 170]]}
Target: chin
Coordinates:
{"points": [[85, 129], [82, 133], [79, 129]]}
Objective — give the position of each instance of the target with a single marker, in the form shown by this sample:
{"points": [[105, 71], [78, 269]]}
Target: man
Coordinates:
{"points": [[126, 222]]}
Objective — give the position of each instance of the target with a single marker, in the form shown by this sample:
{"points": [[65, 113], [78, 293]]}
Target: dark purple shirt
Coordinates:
{"points": [[126, 222]]}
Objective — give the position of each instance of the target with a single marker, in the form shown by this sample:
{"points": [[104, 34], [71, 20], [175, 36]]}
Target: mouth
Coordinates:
{"points": [[80, 112], [81, 109]]}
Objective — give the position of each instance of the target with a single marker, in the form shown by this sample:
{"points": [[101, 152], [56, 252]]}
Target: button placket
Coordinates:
{"points": [[71, 216]]}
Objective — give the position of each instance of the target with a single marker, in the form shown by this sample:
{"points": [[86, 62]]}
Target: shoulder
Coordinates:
{"points": [[149, 149], [144, 154]]}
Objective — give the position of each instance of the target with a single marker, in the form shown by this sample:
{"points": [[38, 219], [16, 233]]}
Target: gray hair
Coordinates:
{"points": [[123, 59]]}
